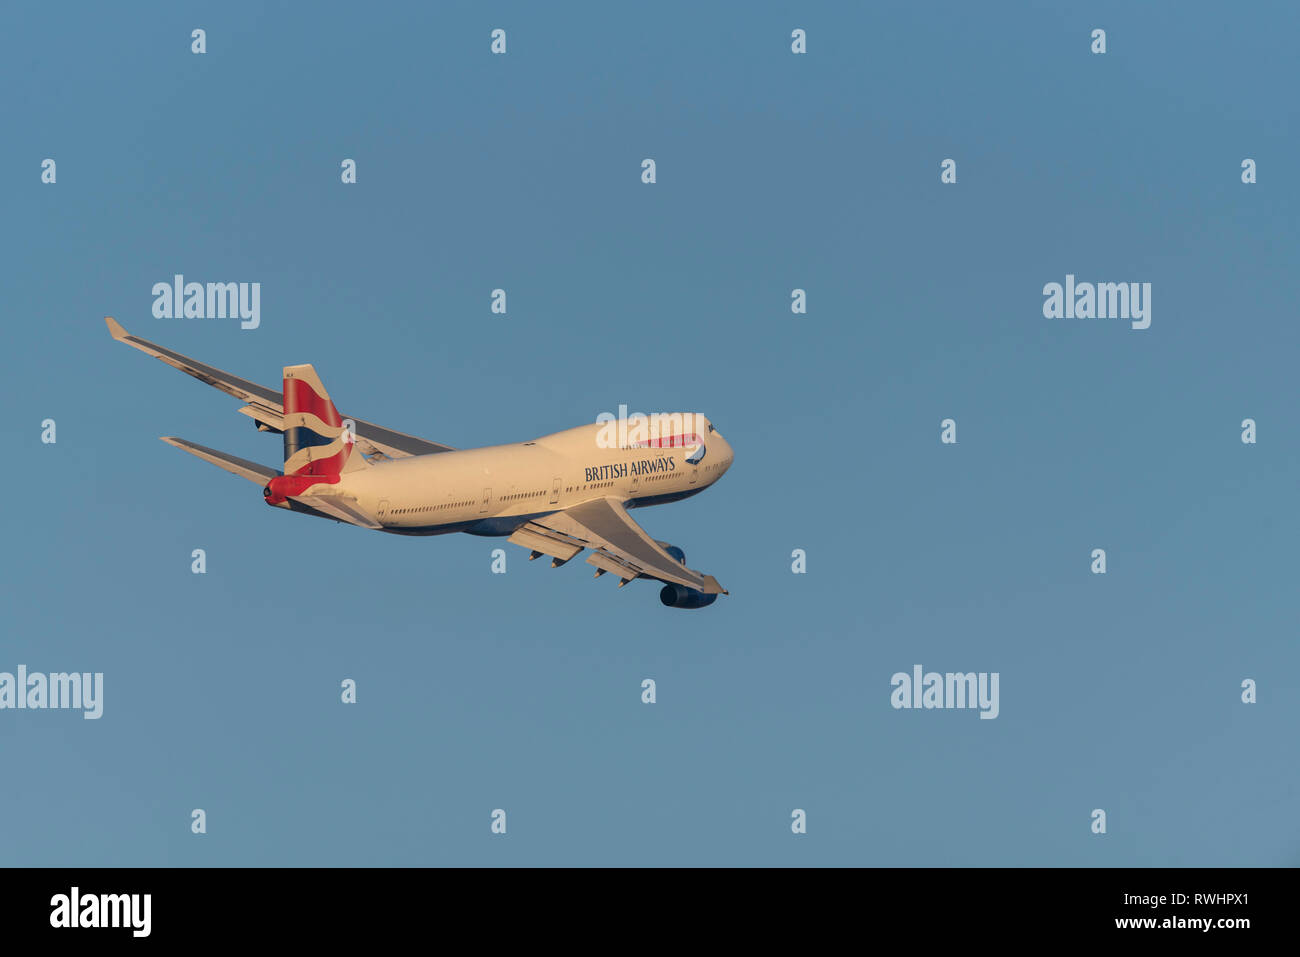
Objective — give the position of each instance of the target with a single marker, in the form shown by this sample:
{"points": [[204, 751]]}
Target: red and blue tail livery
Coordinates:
{"points": [[315, 440]]}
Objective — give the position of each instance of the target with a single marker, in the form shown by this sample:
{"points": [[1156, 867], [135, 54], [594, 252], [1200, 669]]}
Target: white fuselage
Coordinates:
{"points": [[494, 490]]}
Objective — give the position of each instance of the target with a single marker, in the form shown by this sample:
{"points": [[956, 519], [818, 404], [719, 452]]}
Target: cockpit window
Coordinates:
{"points": [[710, 426]]}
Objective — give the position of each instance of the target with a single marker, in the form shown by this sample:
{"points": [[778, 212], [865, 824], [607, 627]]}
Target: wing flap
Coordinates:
{"points": [[605, 562], [537, 540], [620, 545], [264, 416]]}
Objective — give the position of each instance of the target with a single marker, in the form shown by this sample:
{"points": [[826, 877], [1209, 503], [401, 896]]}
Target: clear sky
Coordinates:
{"points": [[775, 171]]}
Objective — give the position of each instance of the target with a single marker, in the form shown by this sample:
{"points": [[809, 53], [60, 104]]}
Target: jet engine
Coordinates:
{"points": [[679, 596]]}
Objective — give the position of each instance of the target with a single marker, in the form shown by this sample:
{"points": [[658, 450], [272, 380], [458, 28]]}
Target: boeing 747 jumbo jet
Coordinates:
{"points": [[556, 495]]}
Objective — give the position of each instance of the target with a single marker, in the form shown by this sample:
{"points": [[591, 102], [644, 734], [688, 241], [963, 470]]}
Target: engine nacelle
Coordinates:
{"points": [[674, 551], [679, 596]]}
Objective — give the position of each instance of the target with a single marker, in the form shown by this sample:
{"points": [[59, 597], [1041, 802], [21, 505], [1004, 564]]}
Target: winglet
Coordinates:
{"points": [[711, 586], [115, 328]]}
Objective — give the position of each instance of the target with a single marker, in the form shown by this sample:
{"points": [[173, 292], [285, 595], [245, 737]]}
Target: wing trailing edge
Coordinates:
{"points": [[265, 405]]}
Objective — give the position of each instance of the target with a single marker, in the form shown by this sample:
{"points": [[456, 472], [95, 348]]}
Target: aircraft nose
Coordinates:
{"points": [[728, 455]]}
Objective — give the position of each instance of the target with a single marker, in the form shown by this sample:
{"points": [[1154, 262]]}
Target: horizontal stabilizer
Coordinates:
{"points": [[338, 508], [252, 471]]}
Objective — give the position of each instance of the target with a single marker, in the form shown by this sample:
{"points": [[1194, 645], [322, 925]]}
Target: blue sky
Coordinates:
{"points": [[775, 171]]}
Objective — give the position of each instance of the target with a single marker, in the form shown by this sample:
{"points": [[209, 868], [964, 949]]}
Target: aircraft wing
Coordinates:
{"points": [[266, 406], [617, 543]]}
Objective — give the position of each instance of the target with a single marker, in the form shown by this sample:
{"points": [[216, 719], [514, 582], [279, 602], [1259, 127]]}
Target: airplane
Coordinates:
{"points": [[555, 495]]}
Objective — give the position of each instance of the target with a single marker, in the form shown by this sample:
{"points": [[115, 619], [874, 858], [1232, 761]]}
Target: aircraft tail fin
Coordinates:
{"points": [[317, 441]]}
